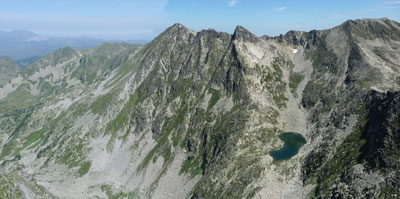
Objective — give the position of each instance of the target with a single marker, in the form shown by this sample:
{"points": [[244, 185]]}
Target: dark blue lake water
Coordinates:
{"points": [[292, 143]]}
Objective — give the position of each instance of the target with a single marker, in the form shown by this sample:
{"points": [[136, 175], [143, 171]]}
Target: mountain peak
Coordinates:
{"points": [[17, 34], [175, 32], [193, 109], [5, 58], [373, 28], [22, 31], [177, 27], [242, 34], [7, 61], [370, 21]]}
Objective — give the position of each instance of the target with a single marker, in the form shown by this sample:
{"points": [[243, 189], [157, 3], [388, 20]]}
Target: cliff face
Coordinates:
{"points": [[195, 115], [366, 163]]}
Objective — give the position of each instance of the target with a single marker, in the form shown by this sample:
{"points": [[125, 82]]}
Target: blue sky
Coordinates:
{"points": [[144, 19]]}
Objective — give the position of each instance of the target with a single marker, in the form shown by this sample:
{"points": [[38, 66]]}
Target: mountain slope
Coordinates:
{"points": [[8, 69], [195, 115], [24, 63]]}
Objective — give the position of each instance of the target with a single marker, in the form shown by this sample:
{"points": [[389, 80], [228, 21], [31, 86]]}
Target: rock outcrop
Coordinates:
{"points": [[195, 115]]}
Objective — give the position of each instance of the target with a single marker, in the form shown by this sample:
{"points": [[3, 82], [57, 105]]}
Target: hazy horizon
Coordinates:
{"points": [[138, 20]]}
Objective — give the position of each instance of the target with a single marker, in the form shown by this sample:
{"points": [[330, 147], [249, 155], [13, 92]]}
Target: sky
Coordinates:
{"points": [[145, 19]]}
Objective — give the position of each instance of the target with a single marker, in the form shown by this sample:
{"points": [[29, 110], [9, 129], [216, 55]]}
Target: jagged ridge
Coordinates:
{"points": [[194, 114]]}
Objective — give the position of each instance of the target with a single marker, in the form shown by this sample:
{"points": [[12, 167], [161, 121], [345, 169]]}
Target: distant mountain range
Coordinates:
{"points": [[199, 115], [27, 46]]}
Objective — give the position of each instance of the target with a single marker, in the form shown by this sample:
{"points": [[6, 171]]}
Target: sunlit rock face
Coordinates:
{"points": [[198, 114]]}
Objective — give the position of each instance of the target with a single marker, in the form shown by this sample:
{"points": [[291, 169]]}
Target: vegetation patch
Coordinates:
{"points": [[294, 81], [19, 99], [322, 58], [193, 166], [346, 155], [73, 154], [8, 189], [8, 149], [84, 169], [15, 146], [216, 95], [113, 194], [34, 138], [100, 105], [271, 79], [123, 117]]}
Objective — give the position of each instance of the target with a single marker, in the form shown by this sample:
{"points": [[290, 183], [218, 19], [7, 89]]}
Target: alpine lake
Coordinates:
{"points": [[292, 143]]}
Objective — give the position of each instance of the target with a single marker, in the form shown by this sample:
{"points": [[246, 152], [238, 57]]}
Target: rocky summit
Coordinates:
{"points": [[197, 115]]}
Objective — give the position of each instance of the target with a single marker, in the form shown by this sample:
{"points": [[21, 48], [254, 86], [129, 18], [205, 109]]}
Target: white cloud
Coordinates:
{"points": [[392, 2], [280, 9], [233, 3]]}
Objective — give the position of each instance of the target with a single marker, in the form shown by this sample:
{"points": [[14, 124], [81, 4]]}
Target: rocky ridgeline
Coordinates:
{"points": [[195, 115]]}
